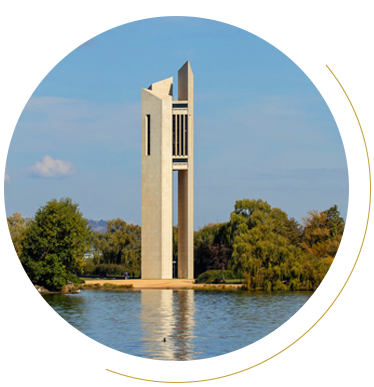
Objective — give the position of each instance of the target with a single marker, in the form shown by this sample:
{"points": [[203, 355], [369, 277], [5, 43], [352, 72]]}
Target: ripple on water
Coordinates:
{"points": [[196, 325]]}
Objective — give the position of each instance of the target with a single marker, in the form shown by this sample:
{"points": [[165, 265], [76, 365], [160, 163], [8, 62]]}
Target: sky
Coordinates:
{"points": [[262, 130]]}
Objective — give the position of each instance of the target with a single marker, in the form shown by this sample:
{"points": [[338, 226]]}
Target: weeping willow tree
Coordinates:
{"points": [[119, 245], [260, 244], [274, 252], [13, 232]]}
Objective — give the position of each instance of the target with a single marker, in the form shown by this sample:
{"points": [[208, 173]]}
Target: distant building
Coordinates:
{"points": [[88, 255], [91, 253]]}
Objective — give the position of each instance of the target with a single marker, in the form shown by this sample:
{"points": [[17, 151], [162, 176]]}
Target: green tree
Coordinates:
{"points": [[206, 242], [335, 223], [322, 233], [13, 229], [54, 244], [261, 244], [294, 231], [119, 245]]}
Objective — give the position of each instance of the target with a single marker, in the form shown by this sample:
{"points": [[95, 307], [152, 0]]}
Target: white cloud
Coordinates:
{"points": [[6, 177], [51, 168]]}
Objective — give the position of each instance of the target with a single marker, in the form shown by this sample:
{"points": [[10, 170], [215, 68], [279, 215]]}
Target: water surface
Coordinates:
{"points": [[196, 324]]}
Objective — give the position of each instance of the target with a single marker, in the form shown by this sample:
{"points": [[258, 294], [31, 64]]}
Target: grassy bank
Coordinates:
{"points": [[217, 288], [106, 286]]}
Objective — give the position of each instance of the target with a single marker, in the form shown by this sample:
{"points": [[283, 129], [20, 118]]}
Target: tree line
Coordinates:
{"points": [[259, 244], [269, 250]]}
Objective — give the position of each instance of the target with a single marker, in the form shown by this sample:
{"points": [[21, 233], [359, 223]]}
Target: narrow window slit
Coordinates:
{"points": [[148, 125], [186, 133]]}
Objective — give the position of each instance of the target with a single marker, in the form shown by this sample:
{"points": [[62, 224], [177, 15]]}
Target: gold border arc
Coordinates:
{"points": [[345, 283], [337, 80], [304, 334]]}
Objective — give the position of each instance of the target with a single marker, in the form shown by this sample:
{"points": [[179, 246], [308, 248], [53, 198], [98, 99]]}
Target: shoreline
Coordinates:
{"points": [[121, 285], [173, 284]]}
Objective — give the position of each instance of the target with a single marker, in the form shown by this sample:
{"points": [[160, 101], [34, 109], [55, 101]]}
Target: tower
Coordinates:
{"points": [[167, 146]]}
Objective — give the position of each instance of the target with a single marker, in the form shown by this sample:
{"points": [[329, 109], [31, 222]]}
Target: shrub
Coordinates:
{"points": [[236, 281], [106, 286], [213, 277], [112, 269], [89, 266], [279, 286], [216, 288], [74, 279]]}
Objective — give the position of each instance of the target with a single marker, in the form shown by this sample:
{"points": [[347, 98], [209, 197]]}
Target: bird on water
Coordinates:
{"points": [[164, 340]]}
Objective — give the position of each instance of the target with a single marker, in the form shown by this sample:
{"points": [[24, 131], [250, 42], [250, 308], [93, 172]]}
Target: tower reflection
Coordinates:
{"points": [[170, 314]]}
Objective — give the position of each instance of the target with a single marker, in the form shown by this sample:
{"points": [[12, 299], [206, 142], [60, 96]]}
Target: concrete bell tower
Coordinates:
{"points": [[167, 146]]}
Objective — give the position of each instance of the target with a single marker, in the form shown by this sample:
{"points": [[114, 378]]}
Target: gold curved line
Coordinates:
{"points": [[345, 283], [304, 334], [337, 80]]}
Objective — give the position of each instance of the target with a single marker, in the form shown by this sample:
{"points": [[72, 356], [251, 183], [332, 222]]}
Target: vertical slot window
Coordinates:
{"points": [[178, 136], [148, 131], [186, 135], [182, 135], [173, 134]]}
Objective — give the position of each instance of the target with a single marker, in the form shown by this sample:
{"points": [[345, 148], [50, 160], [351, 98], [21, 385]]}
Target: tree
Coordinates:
{"points": [[13, 228], [119, 245], [294, 231], [261, 243], [54, 244], [219, 256], [213, 234], [335, 222], [322, 233], [316, 234]]}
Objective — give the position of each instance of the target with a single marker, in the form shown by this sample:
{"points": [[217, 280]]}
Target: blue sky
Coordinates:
{"points": [[262, 130]]}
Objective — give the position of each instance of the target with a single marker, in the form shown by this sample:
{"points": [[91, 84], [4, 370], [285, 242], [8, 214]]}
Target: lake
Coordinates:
{"points": [[196, 324]]}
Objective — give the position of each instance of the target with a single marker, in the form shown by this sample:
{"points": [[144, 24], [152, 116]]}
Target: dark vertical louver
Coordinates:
{"points": [[178, 140], [186, 132], [182, 135], [173, 134], [148, 135]]}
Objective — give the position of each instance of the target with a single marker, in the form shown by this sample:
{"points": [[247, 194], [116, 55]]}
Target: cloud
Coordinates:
{"points": [[51, 168], [73, 39], [6, 177]]}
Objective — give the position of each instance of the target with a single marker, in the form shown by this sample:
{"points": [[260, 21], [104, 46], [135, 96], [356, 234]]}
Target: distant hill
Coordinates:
{"points": [[97, 225]]}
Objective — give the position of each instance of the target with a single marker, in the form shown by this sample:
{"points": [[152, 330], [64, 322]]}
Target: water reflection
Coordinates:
{"points": [[55, 313], [184, 311], [169, 314], [196, 325]]}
